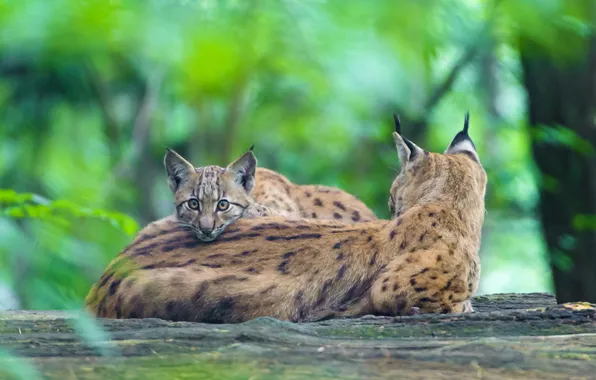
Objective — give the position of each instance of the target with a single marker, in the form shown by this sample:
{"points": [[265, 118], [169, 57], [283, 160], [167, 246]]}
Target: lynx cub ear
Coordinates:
{"points": [[244, 170], [178, 169], [407, 151], [462, 143]]}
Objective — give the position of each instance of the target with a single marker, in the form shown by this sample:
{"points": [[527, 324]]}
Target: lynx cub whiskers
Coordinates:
{"points": [[210, 198], [425, 259]]}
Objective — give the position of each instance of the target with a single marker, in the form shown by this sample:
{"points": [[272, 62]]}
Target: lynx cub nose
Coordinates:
{"points": [[206, 230], [206, 225]]}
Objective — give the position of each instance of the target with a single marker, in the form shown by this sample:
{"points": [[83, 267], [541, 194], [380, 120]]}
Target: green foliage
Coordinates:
{"points": [[583, 222], [61, 212], [51, 222], [94, 334], [15, 368], [560, 135]]}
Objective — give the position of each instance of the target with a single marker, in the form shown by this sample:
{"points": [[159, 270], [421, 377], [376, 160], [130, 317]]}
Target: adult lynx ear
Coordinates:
{"points": [[178, 169], [462, 143], [407, 151], [244, 170]]}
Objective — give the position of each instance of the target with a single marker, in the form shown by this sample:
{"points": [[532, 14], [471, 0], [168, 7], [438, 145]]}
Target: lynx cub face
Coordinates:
{"points": [[209, 198]]}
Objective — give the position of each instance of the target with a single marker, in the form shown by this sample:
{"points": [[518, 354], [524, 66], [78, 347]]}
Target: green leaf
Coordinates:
{"points": [[17, 368], [561, 260], [584, 222], [94, 334], [561, 135], [61, 212]]}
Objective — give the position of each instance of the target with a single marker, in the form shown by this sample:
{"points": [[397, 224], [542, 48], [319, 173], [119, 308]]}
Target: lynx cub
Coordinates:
{"points": [[210, 198], [425, 259]]}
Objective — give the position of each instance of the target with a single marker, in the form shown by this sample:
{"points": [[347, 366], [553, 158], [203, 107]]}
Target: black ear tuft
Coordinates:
{"points": [[251, 147], [463, 134], [397, 123], [466, 122], [462, 141], [413, 149]]}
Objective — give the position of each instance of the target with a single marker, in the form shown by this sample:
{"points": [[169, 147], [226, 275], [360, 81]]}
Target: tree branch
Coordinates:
{"points": [[465, 59], [444, 87]]}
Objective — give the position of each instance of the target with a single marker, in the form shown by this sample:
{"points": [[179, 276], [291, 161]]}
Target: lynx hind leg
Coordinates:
{"points": [[421, 282]]}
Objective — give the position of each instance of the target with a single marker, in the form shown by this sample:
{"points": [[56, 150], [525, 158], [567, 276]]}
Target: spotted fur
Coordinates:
{"points": [[425, 259], [278, 193], [246, 191]]}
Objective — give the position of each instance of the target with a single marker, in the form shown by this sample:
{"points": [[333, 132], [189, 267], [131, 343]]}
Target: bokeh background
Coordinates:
{"points": [[92, 92]]}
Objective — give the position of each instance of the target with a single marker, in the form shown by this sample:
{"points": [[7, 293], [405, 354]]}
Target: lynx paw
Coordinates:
{"points": [[256, 210], [468, 307]]}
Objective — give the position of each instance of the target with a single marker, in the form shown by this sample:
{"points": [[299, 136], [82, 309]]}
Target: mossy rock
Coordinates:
{"points": [[520, 336]]}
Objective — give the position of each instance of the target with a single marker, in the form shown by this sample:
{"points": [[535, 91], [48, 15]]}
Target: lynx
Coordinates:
{"points": [[423, 260], [210, 198]]}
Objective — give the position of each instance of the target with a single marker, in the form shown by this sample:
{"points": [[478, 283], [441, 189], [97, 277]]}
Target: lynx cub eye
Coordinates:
{"points": [[223, 205], [193, 203]]}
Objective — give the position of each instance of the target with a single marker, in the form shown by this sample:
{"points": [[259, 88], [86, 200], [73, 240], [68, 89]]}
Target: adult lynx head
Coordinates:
{"points": [[455, 177], [209, 198]]}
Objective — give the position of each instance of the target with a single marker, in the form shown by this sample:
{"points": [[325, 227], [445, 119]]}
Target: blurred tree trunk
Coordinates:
{"points": [[230, 132], [563, 93], [144, 173]]}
